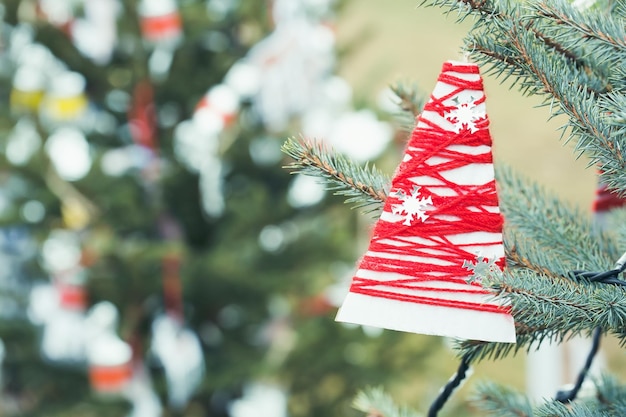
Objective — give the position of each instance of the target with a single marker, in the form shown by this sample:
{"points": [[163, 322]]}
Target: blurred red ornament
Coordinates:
{"points": [[142, 117], [160, 21]]}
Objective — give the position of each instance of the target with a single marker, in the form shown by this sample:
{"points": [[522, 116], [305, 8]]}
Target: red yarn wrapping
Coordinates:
{"points": [[434, 234], [606, 200]]}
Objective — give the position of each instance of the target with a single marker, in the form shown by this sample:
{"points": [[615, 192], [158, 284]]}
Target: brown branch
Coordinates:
{"points": [[515, 259], [562, 19], [310, 157]]}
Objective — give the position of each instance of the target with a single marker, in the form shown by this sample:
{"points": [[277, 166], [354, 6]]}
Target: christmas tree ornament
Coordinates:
{"points": [[160, 22], [65, 102], [217, 109], [69, 153], [43, 302], [185, 145], [144, 400], [110, 367], [109, 358], [441, 228], [62, 341], [605, 201], [243, 78], [142, 117], [76, 214], [211, 180], [179, 351], [59, 307], [70, 287], [161, 28], [196, 144], [174, 346], [28, 90], [293, 61], [95, 34], [57, 13]]}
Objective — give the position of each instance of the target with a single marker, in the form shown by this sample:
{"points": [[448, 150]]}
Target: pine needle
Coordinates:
{"points": [[363, 186], [376, 403]]}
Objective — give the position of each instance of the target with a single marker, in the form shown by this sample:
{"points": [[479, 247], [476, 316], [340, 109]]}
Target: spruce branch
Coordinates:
{"points": [[611, 393], [619, 9], [412, 100], [590, 25], [500, 401], [533, 259], [376, 403], [466, 8], [578, 100], [554, 310], [557, 409], [547, 232], [364, 186]]}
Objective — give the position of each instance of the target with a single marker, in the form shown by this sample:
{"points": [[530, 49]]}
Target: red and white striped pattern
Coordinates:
{"points": [[442, 211], [604, 202]]}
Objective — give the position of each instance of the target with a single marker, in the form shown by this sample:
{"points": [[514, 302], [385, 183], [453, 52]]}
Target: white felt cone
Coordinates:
{"points": [[441, 228]]}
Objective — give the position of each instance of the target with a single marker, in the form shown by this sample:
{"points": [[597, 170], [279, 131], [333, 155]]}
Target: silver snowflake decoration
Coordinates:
{"points": [[413, 205], [466, 114], [481, 268]]}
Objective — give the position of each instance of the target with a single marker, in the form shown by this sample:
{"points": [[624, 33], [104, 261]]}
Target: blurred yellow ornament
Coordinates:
{"points": [[66, 100], [76, 215], [28, 90]]}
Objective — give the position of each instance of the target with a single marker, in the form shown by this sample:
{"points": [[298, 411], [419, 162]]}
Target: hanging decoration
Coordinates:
{"points": [[176, 347], [162, 30], [27, 91], [197, 143], [109, 358], [95, 33], [441, 228], [287, 75], [65, 102], [58, 306], [605, 201], [142, 117]]}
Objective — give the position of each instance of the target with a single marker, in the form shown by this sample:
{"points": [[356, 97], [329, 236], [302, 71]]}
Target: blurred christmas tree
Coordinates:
{"points": [[151, 243], [564, 269]]}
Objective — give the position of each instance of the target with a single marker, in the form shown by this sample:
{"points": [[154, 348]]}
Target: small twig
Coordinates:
{"points": [[309, 154]]}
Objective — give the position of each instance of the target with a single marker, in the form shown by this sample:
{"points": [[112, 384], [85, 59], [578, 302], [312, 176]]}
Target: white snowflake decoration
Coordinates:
{"points": [[466, 114], [413, 206], [481, 268]]}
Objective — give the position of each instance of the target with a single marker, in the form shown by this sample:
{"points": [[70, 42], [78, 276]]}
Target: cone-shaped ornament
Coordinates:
{"points": [[441, 226]]}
